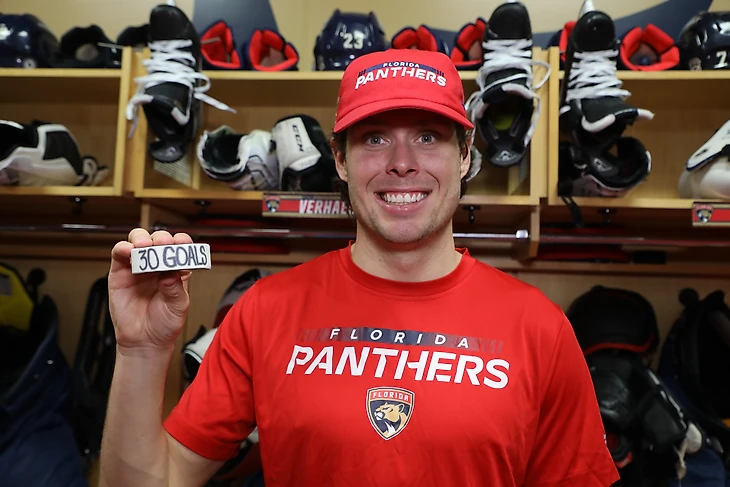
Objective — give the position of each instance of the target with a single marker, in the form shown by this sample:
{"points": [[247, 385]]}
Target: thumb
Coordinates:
{"points": [[176, 297]]}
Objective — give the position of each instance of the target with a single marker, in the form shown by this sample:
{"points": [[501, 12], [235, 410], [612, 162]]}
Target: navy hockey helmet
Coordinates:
{"points": [[26, 42], [610, 318], [347, 36], [704, 41]]}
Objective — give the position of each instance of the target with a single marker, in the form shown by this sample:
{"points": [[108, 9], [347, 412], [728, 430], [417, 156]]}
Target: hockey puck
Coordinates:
{"points": [[161, 258]]}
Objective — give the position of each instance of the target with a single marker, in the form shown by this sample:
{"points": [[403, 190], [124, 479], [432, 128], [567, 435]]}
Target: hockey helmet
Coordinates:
{"points": [[26, 42], [704, 41], [347, 36], [86, 47], [611, 318]]}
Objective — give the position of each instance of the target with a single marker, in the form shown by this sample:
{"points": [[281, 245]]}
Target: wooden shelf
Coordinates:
{"points": [[648, 203], [240, 75], [77, 73], [77, 86], [198, 195], [675, 75], [70, 191], [497, 200]]}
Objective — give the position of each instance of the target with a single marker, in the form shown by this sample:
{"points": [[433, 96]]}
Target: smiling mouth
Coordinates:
{"points": [[403, 198]]}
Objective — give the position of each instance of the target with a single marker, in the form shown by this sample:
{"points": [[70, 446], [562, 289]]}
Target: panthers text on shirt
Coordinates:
{"points": [[392, 69], [398, 363]]}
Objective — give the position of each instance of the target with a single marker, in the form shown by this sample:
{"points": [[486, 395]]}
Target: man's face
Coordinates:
{"points": [[403, 169]]}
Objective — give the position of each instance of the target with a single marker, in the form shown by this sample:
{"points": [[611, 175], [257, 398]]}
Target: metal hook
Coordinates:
{"points": [[471, 209], [78, 204], [607, 215], [203, 204]]}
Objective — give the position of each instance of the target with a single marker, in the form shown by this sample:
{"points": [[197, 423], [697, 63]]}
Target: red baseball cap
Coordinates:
{"points": [[400, 78]]}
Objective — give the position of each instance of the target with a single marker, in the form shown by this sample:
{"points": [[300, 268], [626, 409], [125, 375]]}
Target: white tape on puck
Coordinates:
{"points": [[161, 258]]}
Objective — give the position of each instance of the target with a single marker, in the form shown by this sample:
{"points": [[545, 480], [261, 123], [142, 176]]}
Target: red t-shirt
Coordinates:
{"points": [[473, 379]]}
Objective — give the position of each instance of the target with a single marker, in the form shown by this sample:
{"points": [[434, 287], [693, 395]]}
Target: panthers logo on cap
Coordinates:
{"points": [[389, 410]]}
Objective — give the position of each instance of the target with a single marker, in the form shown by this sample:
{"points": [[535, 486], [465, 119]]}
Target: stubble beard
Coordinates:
{"points": [[406, 233]]}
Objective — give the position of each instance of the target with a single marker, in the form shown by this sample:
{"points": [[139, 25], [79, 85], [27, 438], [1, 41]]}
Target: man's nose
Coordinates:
{"points": [[402, 160]]}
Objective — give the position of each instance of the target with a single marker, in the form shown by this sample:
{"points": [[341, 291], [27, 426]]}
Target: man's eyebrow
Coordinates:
{"points": [[420, 124]]}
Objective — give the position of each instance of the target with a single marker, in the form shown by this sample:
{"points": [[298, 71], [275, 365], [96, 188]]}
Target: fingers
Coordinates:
{"points": [[121, 253], [182, 238], [176, 296], [139, 237], [162, 237]]}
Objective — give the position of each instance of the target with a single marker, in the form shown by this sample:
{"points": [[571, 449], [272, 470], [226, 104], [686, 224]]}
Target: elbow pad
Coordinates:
{"points": [[305, 159]]}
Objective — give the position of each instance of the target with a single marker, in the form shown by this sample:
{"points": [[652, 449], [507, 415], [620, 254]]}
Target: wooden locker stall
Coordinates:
{"points": [[509, 218]]}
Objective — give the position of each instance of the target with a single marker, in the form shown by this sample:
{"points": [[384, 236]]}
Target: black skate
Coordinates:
{"points": [[503, 110], [594, 112], [591, 97], [171, 92]]}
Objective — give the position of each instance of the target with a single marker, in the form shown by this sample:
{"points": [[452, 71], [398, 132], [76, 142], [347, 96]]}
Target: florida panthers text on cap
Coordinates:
{"points": [[400, 78]]}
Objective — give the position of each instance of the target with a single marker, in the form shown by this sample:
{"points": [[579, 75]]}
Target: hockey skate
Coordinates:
{"points": [[171, 92], [504, 109], [591, 97]]}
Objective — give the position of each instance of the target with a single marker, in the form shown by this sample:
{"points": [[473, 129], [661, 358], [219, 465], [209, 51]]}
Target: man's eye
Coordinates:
{"points": [[427, 138], [374, 139]]}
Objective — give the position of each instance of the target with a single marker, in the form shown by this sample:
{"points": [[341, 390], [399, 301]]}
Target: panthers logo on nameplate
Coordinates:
{"points": [[272, 203], [389, 410]]}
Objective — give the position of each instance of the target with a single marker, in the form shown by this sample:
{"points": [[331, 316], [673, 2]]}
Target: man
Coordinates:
{"points": [[398, 360]]}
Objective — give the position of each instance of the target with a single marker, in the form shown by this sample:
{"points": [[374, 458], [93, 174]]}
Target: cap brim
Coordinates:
{"points": [[365, 111]]}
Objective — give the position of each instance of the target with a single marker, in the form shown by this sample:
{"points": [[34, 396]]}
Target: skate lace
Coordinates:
{"points": [[169, 63], [593, 75], [501, 54]]}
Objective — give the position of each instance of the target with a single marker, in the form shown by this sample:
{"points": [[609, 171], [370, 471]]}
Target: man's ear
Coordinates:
{"points": [[340, 162], [466, 156]]}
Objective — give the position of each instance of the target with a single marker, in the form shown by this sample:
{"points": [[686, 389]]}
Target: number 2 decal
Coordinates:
{"points": [[722, 55], [358, 38]]}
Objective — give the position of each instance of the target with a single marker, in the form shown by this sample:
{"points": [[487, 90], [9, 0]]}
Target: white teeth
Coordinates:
{"points": [[402, 198]]}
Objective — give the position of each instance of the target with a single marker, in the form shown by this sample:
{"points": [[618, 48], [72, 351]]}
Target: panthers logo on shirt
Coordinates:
{"points": [[389, 409]]}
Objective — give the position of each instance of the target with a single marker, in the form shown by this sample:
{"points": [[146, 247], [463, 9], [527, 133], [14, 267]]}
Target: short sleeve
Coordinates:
{"points": [[570, 444], [216, 412]]}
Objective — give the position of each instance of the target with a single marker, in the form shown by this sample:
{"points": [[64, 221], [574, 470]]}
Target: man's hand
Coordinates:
{"points": [[148, 310]]}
